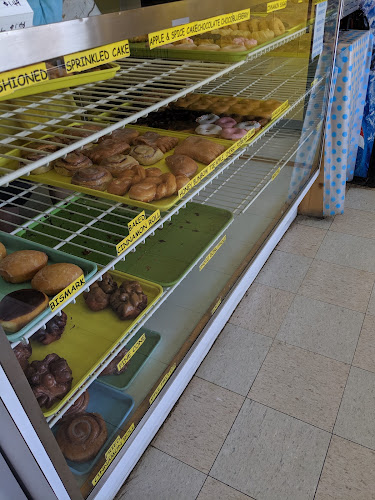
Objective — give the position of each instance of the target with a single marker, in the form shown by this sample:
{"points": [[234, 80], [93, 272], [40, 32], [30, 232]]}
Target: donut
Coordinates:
{"points": [[226, 122], [207, 119], [249, 125], [250, 43], [253, 25], [208, 46], [233, 48], [219, 108], [277, 26], [233, 134], [208, 129], [239, 41], [184, 46]]}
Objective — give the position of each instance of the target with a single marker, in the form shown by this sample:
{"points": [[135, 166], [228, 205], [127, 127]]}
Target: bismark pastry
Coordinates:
{"points": [[54, 278], [22, 265], [182, 165]]}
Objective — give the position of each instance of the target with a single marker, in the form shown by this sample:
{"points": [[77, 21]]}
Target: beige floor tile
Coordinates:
{"points": [[348, 472], [235, 359], [302, 240], [215, 490], [356, 222], [199, 424], [343, 286], [360, 199], [371, 304], [322, 328], [321, 222], [271, 456], [284, 270], [364, 356], [263, 309], [355, 420], [157, 476], [348, 250], [302, 384]]}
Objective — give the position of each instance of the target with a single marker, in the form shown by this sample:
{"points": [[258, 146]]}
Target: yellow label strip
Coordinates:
{"points": [[162, 383], [158, 38], [284, 106], [128, 356], [20, 78], [213, 252], [278, 5], [137, 232], [137, 220], [80, 61], [213, 310], [67, 293], [199, 177], [112, 452], [276, 174]]}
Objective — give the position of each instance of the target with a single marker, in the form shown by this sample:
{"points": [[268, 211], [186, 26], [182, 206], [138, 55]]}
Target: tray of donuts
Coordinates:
{"points": [[221, 117], [61, 356], [30, 276], [141, 169]]}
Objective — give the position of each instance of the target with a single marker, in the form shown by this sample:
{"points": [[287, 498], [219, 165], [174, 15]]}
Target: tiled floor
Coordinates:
{"points": [[283, 406]]}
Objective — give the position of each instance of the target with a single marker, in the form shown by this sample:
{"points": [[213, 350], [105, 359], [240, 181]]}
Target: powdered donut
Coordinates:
{"points": [[249, 125]]}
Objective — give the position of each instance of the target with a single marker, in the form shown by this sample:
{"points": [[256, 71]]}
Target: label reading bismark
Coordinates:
{"points": [[211, 167], [80, 61], [67, 293], [162, 383], [112, 452], [170, 35], [213, 252], [213, 310], [284, 106], [10, 81], [137, 232], [125, 360], [278, 5]]}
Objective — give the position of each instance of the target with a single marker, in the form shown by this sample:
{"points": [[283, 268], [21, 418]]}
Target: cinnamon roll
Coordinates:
{"points": [[106, 149], [93, 178], [79, 406], [117, 164], [73, 162]]}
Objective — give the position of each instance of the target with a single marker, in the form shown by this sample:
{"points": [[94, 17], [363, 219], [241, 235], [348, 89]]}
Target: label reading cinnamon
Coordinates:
{"points": [[67, 293], [112, 452], [20, 78], [213, 252], [128, 356], [284, 106], [182, 31], [278, 5], [81, 61], [137, 232], [162, 384]]}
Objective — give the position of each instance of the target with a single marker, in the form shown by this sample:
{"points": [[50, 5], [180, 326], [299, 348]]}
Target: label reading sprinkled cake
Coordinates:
{"points": [[81, 61]]}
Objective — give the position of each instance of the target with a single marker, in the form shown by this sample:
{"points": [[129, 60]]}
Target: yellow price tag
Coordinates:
{"points": [[162, 383], [137, 232], [278, 5], [213, 310], [128, 356], [158, 38], [67, 293], [20, 78], [276, 174], [284, 106], [80, 61], [137, 220], [213, 252]]}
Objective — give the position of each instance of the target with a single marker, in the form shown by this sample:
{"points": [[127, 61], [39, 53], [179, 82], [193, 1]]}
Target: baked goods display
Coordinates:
{"points": [[111, 368], [50, 379], [53, 330], [20, 307], [22, 265], [53, 278], [127, 300], [81, 436]]}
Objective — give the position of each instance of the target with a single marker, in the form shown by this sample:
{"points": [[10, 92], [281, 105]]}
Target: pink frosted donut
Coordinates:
{"points": [[233, 134], [239, 41], [250, 43], [226, 122]]}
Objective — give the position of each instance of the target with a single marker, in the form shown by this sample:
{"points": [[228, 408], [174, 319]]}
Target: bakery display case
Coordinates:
{"points": [[167, 183]]}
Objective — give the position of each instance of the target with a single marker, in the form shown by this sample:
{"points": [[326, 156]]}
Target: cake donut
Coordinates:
{"points": [[81, 436], [208, 129]]}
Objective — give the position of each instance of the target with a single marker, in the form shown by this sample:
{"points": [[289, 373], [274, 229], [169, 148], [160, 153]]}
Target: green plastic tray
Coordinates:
{"points": [[135, 364], [13, 243], [163, 258]]}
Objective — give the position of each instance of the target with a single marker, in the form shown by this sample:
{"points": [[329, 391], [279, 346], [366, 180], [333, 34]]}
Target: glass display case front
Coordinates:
{"points": [[143, 181]]}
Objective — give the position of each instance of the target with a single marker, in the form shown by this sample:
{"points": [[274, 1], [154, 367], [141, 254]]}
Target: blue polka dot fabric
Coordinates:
{"points": [[344, 123]]}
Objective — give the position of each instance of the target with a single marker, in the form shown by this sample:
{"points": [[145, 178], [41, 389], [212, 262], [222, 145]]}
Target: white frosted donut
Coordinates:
{"points": [[208, 129], [249, 125], [207, 119]]}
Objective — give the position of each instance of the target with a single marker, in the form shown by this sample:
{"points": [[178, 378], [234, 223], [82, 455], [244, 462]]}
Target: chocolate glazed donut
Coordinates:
{"points": [[81, 436], [54, 329]]}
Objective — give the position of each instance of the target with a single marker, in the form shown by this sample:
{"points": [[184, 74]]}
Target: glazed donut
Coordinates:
{"points": [[153, 172], [263, 25], [233, 48], [208, 129], [208, 46], [244, 25], [181, 181], [277, 26], [249, 125], [144, 191], [226, 122], [253, 25], [207, 119], [220, 108], [120, 186], [233, 134]]}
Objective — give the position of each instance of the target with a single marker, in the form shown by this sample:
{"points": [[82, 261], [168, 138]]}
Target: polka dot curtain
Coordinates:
{"points": [[344, 122]]}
